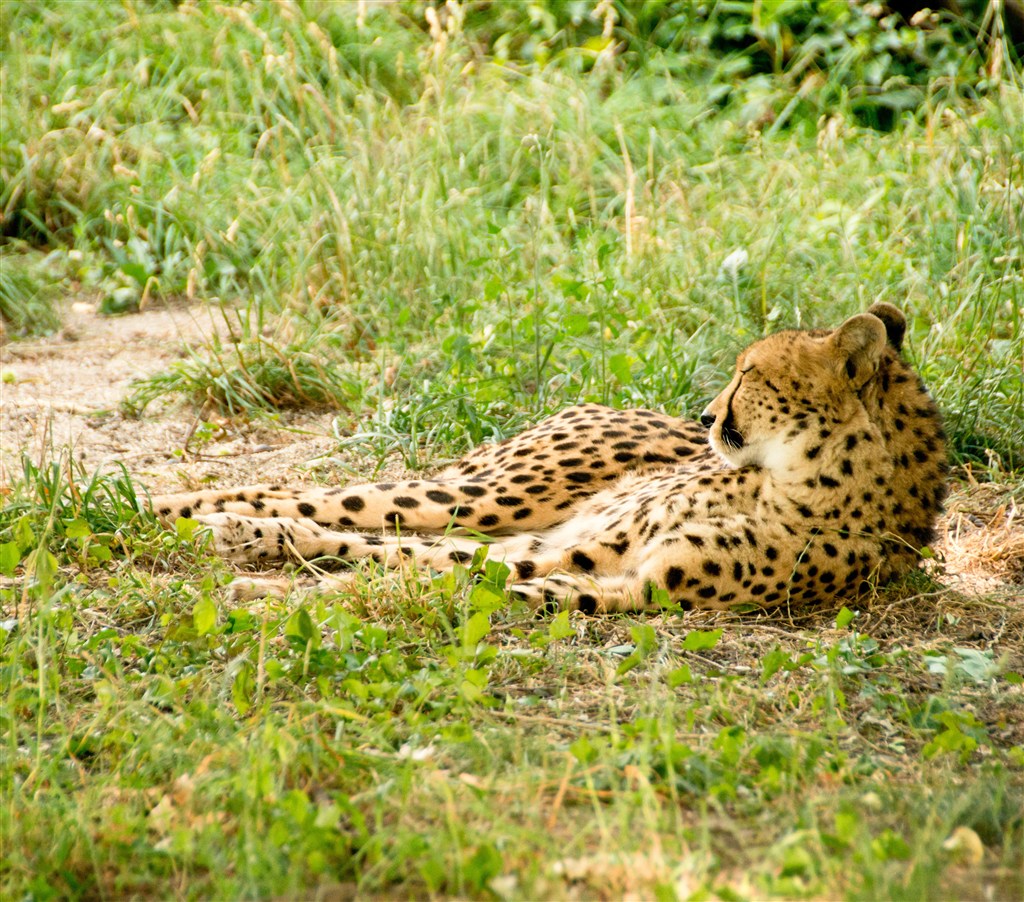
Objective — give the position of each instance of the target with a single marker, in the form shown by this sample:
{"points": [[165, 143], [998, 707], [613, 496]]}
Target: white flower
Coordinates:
{"points": [[732, 264]]}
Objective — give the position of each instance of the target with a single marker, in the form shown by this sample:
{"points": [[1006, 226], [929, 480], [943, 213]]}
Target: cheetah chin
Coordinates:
{"points": [[819, 469]]}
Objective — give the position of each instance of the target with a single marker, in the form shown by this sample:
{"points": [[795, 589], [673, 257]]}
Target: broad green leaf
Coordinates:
{"points": [[300, 626], [680, 676], [844, 618], [576, 324], [484, 865], [204, 615], [889, 846], [99, 553], [696, 640], [978, 665], [243, 688], [486, 599], [560, 628], [23, 535], [622, 368], [645, 637], [9, 557], [77, 529], [473, 685], [583, 750], [771, 663], [475, 629]]}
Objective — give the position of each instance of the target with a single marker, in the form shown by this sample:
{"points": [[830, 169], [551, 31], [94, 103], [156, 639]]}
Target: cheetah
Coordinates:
{"points": [[819, 470]]}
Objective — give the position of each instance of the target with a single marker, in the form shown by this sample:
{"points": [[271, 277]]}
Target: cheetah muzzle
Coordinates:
{"points": [[819, 470]]}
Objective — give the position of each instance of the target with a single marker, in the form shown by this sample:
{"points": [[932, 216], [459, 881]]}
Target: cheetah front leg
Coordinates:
{"points": [[591, 595]]}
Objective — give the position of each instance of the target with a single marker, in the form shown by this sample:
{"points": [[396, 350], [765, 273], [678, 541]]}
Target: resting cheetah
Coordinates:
{"points": [[820, 467]]}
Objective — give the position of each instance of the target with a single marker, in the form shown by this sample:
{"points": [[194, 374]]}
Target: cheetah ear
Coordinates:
{"points": [[895, 322], [859, 343]]}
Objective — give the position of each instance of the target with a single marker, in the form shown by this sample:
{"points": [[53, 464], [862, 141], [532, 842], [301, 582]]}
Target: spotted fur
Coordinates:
{"points": [[821, 468]]}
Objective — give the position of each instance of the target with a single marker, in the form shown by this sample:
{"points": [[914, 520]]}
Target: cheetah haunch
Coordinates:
{"points": [[821, 468]]}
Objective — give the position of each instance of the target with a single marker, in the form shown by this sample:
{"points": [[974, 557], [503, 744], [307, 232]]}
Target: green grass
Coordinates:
{"points": [[444, 241]]}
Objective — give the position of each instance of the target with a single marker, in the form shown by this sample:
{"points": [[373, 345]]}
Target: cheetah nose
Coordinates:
{"points": [[707, 420]]}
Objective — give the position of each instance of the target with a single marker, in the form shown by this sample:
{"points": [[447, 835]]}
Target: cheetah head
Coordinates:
{"points": [[794, 388]]}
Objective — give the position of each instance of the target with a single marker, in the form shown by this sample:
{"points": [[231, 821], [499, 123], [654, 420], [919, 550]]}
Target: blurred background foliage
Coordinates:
{"points": [[487, 210]]}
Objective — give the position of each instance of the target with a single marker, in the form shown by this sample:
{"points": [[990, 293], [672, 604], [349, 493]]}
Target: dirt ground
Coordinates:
{"points": [[65, 391]]}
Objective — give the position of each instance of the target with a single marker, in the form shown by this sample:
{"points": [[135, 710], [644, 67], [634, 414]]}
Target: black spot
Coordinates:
{"points": [[395, 518], [695, 540], [847, 467], [620, 548], [474, 491], [186, 512], [830, 549], [526, 569], [438, 496], [522, 513], [258, 533], [582, 561], [489, 520], [460, 511], [404, 501], [653, 457], [707, 592], [343, 550], [509, 501], [307, 509], [712, 569], [587, 604], [373, 540], [673, 577], [460, 557], [353, 503], [579, 477], [813, 452]]}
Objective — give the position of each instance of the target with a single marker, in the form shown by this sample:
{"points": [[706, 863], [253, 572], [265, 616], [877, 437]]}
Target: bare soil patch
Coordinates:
{"points": [[65, 391]]}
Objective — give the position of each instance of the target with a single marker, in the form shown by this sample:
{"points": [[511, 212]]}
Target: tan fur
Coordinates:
{"points": [[826, 469]]}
